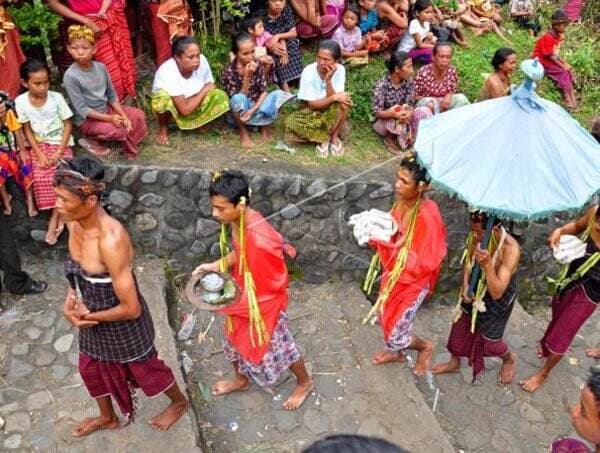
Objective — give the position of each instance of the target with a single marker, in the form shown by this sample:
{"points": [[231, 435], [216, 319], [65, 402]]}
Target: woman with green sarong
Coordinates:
{"points": [[184, 88], [326, 106]]}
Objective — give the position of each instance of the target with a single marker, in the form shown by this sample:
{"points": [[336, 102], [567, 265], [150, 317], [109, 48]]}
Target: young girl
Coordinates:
{"points": [[419, 40], [547, 50], [349, 37], [255, 26], [13, 164], [98, 112], [368, 23], [45, 117]]}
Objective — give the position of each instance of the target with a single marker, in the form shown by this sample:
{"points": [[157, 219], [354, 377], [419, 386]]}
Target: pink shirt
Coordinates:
{"points": [[261, 40], [89, 7]]}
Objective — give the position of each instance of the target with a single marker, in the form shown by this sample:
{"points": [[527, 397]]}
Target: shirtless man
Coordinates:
{"points": [[116, 334], [498, 272]]}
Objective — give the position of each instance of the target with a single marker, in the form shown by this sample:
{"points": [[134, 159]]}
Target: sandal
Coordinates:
{"points": [[322, 149], [90, 148], [337, 150]]}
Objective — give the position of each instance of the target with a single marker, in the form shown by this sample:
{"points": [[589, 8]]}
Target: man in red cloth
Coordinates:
{"points": [[498, 267], [417, 280], [264, 255], [11, 55], [116, 333]]}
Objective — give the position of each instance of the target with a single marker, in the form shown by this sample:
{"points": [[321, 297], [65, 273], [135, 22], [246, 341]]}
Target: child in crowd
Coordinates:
{"points": [[445, 24], [419, 39], [375, 40], [45, 117], [349, 37], [98, 112], [547, 50], [256, 27], [522, 12], [13, 164]]}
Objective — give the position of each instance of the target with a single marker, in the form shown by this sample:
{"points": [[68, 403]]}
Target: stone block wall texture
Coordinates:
{"points": [[168, 214]]}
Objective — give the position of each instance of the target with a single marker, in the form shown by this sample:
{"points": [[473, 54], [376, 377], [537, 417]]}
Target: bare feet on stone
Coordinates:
{"points": [[298, 396], [507, 370], [539, 352], [233, 385], [594, 353], [385, 356], [169, 416], [162, 139], [91, 424], [452, 366], [534, 382], [424, 359]]}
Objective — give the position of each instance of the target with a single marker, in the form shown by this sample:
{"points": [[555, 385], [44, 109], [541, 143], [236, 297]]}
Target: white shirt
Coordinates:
{"points": [[314, 88], [47, 121], [169, 78], [408, 42]]}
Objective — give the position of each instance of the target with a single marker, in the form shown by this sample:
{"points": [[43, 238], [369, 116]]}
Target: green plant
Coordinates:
{"points": [[216, 50], [212, 11]]}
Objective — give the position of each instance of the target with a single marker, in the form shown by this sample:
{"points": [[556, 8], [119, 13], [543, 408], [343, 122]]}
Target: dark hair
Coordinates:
{"points": [[346, 443], [88, 166], [411, 164], [593, 383], [332, 46], [354, 10], [397, 60], [482, 217], [250, 22], [421, 5], [559, 17], [596, 129], [180, 43], [30, 66], [501, 55], [239, 38], [442, 44], [230, 184]]}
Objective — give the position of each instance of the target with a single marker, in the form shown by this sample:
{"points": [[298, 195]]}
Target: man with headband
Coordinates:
{"points": [[116, 334]]}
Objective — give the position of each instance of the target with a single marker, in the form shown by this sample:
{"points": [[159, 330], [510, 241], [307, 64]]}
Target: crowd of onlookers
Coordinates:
{"points": [[99, 73]]}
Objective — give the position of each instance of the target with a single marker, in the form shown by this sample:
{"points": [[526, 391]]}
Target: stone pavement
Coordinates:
{"points": [[41, 393], [490, 417], [351, 395]]}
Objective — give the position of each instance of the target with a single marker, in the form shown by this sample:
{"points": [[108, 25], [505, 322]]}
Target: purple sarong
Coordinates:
{"points": [[562, 77]]}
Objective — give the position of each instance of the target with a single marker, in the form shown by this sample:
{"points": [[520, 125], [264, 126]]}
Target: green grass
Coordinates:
{"points": [[363, 146]]}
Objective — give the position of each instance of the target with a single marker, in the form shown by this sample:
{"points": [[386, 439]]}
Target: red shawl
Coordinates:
{"points": [[423, 265], [265, 257], [10, 59]]}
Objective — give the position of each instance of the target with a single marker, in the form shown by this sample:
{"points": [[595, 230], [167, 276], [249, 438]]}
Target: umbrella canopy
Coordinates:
{"points": [[518, 157]]}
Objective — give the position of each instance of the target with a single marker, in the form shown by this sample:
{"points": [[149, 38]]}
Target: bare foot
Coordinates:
{"points": [[169, 416], [266, 133], [534, 382], [91, 424], [507, 370], [8, 205], [424, 359], [385, 356], [539, 352], [31, 211], [162, 138], [594, 353], [245, 140], [452, 366], [51, 237], [391, 145], [233, 385], [298, 396]]}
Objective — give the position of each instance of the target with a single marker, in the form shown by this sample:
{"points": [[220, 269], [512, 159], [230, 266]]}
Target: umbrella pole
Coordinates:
{"points": [[484, 244]]}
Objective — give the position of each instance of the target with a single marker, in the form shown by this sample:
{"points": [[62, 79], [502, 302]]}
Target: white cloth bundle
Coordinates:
{"points": [[372, 224], [569, 248]]}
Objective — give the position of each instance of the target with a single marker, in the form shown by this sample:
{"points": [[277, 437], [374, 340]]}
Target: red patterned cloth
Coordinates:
{"points": [[426, 85], [423, 265], [474, 346], [573, 9], [160, 35], [10, 59], [120, 379], [569, 312], [265, 257], [43, 178]]}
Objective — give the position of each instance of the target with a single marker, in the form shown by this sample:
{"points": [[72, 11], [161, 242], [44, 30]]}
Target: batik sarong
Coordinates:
{"points": [[570, 311], [11, 166], [559, 75], [43, 177], [312, 125], [401, 335], [214, 104], [281, 354]]}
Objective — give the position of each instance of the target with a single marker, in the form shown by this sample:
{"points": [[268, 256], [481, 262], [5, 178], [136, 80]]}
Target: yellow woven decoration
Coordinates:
{"points": [[81, 32]]}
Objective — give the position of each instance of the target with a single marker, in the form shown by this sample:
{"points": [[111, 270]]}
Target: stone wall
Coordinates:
{"points": [[168, 214]]}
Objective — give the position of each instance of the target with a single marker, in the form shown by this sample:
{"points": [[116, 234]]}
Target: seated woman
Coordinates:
{"points": [[436, 83], [326, 104], [280, 22], [523, 13], [498, 83], [393, 17], [184, 88], [315, 21], [393, 101], [97, 110], [246, 84]]}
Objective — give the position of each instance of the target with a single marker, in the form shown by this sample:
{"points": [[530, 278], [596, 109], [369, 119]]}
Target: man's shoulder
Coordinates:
{"points": [[113, 233]]}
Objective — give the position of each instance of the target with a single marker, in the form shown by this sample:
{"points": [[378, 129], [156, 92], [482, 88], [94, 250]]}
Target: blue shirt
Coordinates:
{"points": [[370, 22]]}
